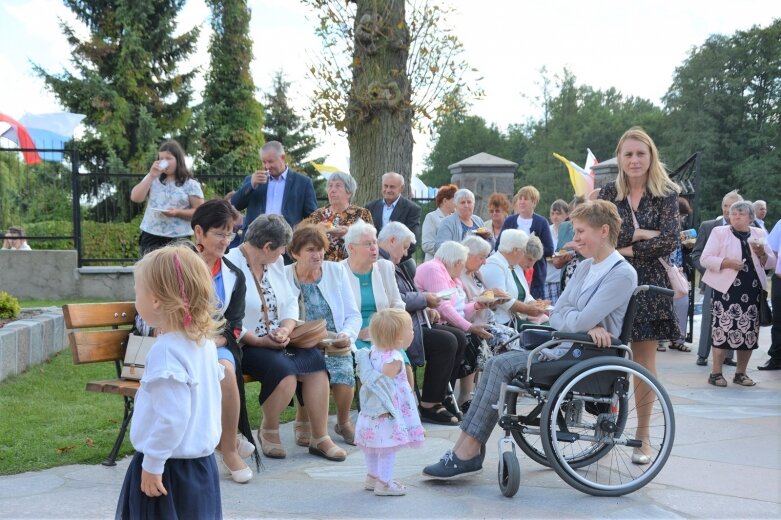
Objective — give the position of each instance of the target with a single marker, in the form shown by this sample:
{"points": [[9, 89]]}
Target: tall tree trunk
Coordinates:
{"points": [[379, 111]]}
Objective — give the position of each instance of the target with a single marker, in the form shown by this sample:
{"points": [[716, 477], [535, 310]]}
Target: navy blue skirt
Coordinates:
{"points": [[271, 366], [193, 487]]}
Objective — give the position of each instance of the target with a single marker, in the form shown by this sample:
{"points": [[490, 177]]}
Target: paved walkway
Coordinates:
{"points": [[726, 463]]}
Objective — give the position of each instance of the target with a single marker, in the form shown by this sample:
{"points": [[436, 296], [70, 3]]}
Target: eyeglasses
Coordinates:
{"points": [[225, 236]]}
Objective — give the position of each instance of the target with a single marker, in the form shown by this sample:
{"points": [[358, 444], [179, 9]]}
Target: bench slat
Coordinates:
{"points": [[123, 387], [93, 346], [80, 315]]}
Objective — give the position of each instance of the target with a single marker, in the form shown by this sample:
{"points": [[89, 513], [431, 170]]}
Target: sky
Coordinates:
{"points": [[633, 46]]}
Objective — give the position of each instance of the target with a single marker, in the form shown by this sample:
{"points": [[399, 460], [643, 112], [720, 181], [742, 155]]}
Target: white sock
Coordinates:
{"points": [[372, 463], [385, 466]]}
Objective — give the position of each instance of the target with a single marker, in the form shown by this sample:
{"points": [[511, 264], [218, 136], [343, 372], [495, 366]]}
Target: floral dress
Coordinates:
{"points": [[336, 250], [735, 314], [387, 432], [655, 318]]}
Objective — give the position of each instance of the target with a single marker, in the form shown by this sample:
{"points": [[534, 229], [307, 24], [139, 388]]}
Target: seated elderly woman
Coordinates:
{"points": [[475, 288], [441, 347], [463, 221], [339, 215], [595, 301], [373, 284], [517, 252], [443, 275], [326, 295], [270, 314]]}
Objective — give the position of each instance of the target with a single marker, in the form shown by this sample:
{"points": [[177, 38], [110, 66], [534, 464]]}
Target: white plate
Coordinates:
{"points": [[446, 293], [158, 210], [549, 308]]}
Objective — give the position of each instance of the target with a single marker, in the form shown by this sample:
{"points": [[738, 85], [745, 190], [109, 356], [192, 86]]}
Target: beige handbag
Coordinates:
{"points": [[135, 356]]}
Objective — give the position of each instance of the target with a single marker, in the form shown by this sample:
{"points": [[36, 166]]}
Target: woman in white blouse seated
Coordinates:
{"points": [[517, 251], [270, 315], [326, 294], [373, 283]]}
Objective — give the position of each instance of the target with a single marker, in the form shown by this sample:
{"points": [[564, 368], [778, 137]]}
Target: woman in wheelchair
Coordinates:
{"points": [[595, 300]]}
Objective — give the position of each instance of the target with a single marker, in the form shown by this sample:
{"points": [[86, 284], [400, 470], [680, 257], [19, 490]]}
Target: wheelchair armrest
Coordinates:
{"points": [[582, 337], [532, 326]]}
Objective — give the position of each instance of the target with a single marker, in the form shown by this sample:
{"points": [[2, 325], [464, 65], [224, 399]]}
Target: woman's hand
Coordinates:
{"points": [[152, 485], [433, 315], [600, 336], [432, 300], [341, 340], [645, 234], [561, 259], [172, 212], [479, 331], [759, 249], [730, 263], [392, 369], [338, 231], [155, 171], [364, 334]]}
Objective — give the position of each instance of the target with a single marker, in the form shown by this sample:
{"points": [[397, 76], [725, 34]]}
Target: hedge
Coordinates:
{"points": [[99, 240]]}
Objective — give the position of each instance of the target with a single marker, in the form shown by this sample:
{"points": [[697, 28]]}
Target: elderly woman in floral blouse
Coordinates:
{"points": [[339, 215]]}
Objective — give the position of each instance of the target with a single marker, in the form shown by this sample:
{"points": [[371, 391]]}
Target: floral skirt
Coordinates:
{"points": [[735, 314]]}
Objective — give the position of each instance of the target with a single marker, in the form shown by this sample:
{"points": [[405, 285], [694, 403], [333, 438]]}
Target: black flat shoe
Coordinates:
{"points": [[450, 405], [730, 362], [437, 414], [770, 365]]}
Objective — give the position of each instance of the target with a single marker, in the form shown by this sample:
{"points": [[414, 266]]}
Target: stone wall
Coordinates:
{"points": [[53, 275], [28, 342]]}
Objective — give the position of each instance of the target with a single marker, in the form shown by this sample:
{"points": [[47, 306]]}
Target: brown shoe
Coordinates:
{"points": [[272, 450], [347, 431], [334, 453], [303, 433], [717, 380]]}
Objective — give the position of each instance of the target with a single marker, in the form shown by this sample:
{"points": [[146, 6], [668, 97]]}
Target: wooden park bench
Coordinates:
{"points": [[95, 336]]}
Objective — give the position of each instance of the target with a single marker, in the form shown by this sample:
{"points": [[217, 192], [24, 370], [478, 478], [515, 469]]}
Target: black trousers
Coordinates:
{"points": [[775, 330], [444, 350]]}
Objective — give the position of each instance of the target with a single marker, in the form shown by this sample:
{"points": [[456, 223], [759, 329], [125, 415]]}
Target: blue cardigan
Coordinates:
{"points": [[541, 229]]}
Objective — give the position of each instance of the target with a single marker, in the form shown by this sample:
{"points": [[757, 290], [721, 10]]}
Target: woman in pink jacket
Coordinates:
{"points": [[735, 258]]}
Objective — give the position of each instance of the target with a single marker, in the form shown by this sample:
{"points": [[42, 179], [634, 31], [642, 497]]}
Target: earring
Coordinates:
{"points": [[199, 247]]}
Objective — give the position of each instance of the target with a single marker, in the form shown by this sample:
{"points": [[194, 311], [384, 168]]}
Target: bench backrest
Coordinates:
{"points": [[95, 334]]}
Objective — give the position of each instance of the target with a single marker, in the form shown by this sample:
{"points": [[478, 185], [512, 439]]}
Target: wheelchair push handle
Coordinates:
{"points": [[655, 289]]}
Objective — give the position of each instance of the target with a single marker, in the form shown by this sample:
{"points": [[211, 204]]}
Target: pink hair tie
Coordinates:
{"points": [[188, 318]]}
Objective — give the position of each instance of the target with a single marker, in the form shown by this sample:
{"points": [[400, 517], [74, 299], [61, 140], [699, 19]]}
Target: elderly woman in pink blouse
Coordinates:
{"points": [[735, 258]]}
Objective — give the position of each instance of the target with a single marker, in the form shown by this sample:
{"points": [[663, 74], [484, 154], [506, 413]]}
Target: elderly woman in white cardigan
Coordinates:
{"points": [[517, 251], [373, 283], [458, 225], [325, 294]]}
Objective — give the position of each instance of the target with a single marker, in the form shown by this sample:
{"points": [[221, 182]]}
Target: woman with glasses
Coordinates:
{"points": [[373, 283], [212, 224]]}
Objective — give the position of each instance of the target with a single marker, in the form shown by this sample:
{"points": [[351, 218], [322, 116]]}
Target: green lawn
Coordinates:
{"points": [[48, 419], [26, 304]]}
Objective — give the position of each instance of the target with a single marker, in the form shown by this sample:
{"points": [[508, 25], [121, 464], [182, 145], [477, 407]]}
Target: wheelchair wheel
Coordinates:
{"points": [[528, 437], [509, 474], [594, 452]]}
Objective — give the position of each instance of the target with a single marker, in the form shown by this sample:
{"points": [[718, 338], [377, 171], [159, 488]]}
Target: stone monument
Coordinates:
{"points": [[484, 174]]}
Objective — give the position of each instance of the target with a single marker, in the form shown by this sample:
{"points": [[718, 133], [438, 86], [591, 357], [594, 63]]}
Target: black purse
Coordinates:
{"points": [[765, 314]]}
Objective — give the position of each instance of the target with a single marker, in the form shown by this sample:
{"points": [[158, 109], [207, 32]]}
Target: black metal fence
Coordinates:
{"points": [[59, 206]]}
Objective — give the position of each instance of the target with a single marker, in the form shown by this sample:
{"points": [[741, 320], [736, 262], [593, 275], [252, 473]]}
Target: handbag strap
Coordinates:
{"points": [[634, 217], [263, 303], [301, 303]]}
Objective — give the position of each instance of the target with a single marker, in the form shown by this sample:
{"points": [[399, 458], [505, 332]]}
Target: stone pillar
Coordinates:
{"points": [[605, 172], [484, 174]]}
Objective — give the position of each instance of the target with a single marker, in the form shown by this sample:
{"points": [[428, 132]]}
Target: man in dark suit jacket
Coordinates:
{"points": [[277, 190], [703, 351], [393, 207]]}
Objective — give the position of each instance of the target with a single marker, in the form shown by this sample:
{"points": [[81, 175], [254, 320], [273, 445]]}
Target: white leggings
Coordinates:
{"points": [[380, 465]]}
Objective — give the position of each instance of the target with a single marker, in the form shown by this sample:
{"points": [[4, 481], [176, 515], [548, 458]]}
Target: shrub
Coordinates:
{"points": [[99, 240], [9, 306]]}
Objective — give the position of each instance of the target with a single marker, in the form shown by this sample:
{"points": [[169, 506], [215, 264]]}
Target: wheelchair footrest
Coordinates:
{"points": [[634, 443]]}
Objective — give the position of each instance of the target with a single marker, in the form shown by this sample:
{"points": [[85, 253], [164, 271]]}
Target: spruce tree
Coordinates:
{"points": [[287, 127], [232, 117], [126, 78]]}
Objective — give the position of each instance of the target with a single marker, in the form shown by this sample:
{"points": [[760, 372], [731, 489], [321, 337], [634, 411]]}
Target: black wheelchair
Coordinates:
{"points": [[578, 414]]}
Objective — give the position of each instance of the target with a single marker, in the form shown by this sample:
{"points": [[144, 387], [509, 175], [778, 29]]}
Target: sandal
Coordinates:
{"points": [[272, 450], [334, 453], [390, 489], [661, 347], [718, 380], [743, 380], [347, 431], [437, 414], [450, 405], [680, 347], [303, 433]]}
